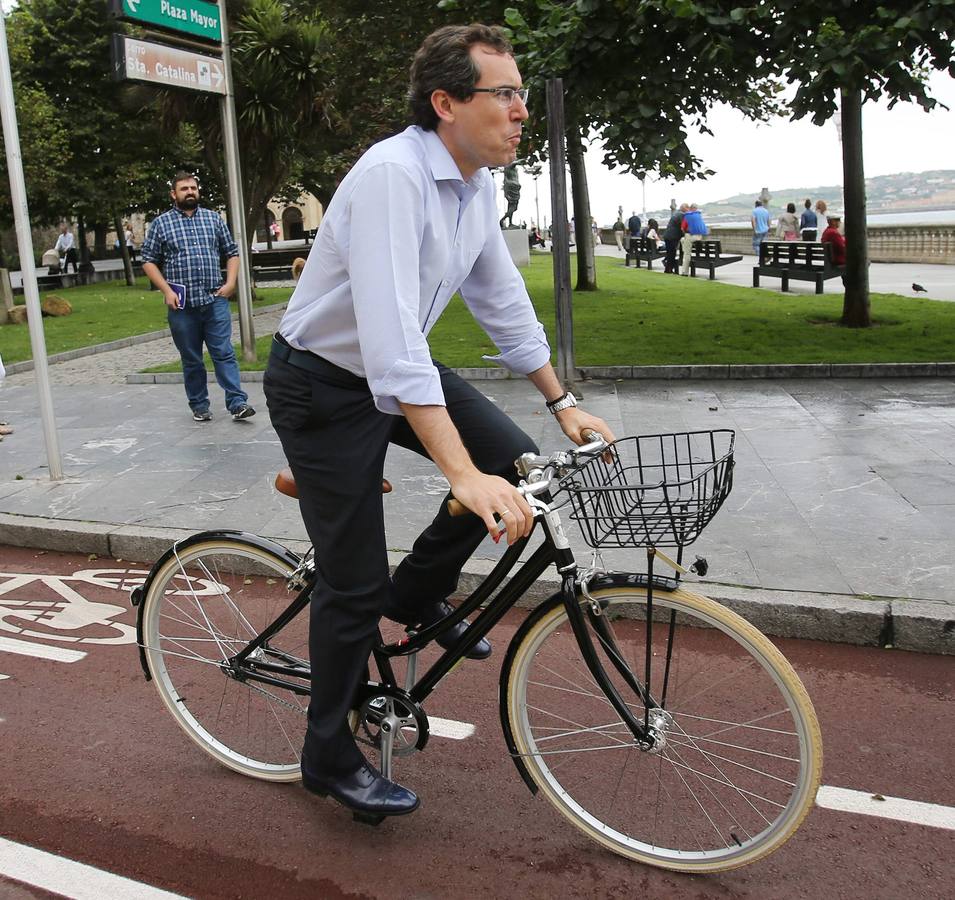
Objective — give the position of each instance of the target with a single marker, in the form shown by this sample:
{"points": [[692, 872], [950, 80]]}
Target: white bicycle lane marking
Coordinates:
{"points": [[51, 607]]}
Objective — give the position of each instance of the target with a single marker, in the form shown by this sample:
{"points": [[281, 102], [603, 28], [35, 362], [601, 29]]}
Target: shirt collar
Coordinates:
{"points": [[443, 166], [182, 215]]}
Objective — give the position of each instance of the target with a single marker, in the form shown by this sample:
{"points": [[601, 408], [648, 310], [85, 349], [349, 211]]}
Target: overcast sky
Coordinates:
{"points": [[780, 154]]}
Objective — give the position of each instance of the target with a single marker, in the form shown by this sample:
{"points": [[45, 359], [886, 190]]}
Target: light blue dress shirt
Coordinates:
{"points": [[402, 234]]}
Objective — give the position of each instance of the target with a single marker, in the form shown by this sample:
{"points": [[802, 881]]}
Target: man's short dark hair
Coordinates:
{"points": [[182, 175], [443, 62], [758, 203]]}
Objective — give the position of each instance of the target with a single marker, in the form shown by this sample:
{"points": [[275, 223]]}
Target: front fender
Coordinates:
{"points": [[138, 594]]}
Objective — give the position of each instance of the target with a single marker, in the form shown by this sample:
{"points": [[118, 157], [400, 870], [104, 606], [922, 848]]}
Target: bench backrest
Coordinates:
{"points": [[795, 254], [643, 245], [707, 249]]}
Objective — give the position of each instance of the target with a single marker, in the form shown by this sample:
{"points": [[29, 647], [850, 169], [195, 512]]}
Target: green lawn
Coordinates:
{"points": [[636, 318], [646, 318], [102, 312]]}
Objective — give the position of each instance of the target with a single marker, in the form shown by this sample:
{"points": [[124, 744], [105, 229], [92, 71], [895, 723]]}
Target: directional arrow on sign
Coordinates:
{"points": [[216, 75], [133, 4]]}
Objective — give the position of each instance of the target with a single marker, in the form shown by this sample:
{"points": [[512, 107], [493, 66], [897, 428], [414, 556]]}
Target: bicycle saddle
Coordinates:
{"points": [[285, 484]]}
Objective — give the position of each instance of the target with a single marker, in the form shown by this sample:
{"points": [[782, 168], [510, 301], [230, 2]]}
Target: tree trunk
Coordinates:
{"points": [[85, 264], [586, 268], [123, 249], [99, 240], [855, 307]]}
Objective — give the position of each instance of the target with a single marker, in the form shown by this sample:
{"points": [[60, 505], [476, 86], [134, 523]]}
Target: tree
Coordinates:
{"points": [[64, 56], [853, 50], [635, 79]]}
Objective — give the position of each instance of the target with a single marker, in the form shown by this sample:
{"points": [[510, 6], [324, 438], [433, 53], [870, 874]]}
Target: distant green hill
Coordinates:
{"points": [[901, 192]]}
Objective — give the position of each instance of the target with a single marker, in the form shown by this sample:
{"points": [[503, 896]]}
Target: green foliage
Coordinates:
{"points": [[85, 152]]}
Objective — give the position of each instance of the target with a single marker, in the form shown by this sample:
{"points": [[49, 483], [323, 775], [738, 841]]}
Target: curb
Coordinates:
{"points": [[727, 372], [923, 626], [119, 344]]}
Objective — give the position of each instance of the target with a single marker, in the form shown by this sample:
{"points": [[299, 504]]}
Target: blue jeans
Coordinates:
{"points": [[758, 238], [211, 324]]}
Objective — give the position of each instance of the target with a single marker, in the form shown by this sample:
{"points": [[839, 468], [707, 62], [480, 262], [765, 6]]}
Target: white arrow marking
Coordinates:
{"points": [[133, 4], [217, 75]]}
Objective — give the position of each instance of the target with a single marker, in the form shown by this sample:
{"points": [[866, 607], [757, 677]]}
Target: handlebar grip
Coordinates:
{"points": [[457, 508]]}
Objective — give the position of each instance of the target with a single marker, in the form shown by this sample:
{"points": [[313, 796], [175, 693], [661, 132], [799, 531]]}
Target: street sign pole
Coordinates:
{"points": [[21, 215], [560, 233], [230, 142]]}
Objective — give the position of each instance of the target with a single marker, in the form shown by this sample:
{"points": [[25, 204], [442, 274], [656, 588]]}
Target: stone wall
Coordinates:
{"points": [[887, 243]]}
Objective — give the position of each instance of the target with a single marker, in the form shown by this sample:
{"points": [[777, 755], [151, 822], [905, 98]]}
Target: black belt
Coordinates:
{"points": [[317, 365]]}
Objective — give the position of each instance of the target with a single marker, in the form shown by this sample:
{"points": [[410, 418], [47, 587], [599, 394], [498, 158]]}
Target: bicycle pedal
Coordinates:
{"points": [[368, 818]]}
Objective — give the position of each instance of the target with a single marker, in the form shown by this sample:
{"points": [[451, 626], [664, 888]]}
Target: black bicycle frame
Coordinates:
{"points": [[241, 667]]}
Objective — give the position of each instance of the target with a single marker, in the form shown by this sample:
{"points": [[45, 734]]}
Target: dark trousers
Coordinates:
{"points": [[669, 261], [809, 235], [335, 441]]}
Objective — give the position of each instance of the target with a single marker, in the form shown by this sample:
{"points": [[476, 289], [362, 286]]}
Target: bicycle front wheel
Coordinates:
{"points": [[740, 762], [202, 607]]}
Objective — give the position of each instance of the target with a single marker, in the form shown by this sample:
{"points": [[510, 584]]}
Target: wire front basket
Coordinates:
{"points": [[658, 490]]}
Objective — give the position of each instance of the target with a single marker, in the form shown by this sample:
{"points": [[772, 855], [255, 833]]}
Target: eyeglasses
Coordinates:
{"points": [[504, 95]]}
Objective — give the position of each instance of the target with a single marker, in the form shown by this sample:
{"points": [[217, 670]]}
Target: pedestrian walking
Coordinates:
{"points": [[694, 229], [760, 221], [787, 227], [807, 222], [182, 258], [618, 232], [414, 221], [65, 246], [671, 239]]}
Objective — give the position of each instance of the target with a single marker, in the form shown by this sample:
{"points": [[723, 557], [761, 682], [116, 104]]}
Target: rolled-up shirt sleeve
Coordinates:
{"points": [[151, 251], [227, 245], [386, 213], [497, 297]]}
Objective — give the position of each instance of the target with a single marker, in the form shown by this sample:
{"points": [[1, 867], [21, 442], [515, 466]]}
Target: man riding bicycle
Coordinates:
{"points": [[413, 222]]}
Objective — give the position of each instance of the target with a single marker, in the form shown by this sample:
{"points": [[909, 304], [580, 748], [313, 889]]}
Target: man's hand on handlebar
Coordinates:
{"points": [[577, 424], [489, 495]]}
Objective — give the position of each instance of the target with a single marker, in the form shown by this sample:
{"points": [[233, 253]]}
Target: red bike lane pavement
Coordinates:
{"points": [[94, 770]]}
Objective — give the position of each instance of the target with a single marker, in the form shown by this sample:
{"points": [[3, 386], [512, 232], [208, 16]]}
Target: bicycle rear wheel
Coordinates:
{"points": [[742, 756], [202, 607]]}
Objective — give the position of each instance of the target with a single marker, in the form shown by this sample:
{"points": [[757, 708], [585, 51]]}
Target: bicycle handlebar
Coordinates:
{"points": [[530, 462]]}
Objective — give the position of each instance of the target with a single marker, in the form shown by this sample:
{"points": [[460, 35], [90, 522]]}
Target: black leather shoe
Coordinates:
{"points": [[435, 612], [366, 792]]}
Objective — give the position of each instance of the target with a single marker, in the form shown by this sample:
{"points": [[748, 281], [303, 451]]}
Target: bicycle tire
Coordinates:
{"points": [[201, 607], [725, 811]]}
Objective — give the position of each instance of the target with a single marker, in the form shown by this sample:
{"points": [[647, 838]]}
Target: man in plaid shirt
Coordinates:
{"points": [[184, 247]]}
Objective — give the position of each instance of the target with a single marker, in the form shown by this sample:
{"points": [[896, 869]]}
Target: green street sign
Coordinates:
{"points": [[196, 18]]}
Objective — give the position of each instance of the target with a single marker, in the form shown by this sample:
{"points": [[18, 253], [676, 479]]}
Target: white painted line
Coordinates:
{"points": [[863, 803], [448, 728], [75, 880], [3, 676], [41, 651]]}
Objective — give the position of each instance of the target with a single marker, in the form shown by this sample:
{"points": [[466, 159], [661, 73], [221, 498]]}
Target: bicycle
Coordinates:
{"points": [[658, 722]]}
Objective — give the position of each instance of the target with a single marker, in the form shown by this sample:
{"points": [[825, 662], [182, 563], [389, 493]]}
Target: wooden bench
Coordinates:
{"points": [[310, 235], [643, 249], [274, 263], [709, 255], [798, 260]]}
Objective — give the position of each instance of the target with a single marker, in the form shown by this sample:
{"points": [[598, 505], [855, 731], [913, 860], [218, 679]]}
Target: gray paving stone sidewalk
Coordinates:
{"points": [[839, 526]]}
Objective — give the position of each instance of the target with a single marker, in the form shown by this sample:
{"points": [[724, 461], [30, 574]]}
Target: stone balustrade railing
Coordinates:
{"points": [[887, 243]]}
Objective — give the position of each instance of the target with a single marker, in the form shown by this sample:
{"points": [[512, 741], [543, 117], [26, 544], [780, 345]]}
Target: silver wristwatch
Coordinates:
{"points": [[566, 401]]}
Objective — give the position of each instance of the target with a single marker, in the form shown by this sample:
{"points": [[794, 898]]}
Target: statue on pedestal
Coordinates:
{"points": [[512, 193]]}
